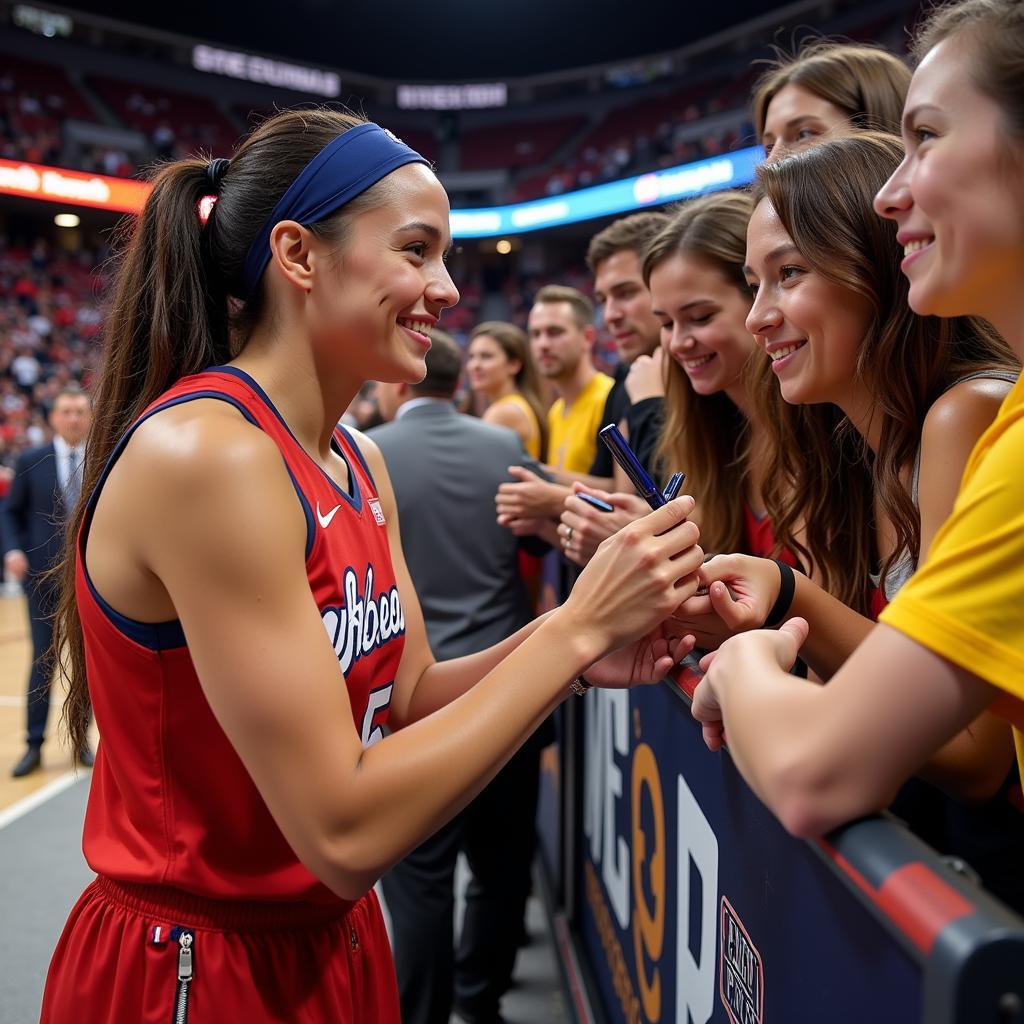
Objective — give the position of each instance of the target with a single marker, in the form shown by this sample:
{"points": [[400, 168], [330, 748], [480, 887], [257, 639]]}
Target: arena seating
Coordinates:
{"points": [[50, 319], [175, 123], [515, 145], [35, 99]]}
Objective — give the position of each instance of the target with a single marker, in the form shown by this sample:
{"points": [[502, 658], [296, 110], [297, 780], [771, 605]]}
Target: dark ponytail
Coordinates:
{"points": [[178, 306]]}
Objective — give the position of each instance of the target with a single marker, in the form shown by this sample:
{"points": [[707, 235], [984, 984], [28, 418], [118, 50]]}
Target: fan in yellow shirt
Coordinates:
{"points": [[966, 603], [572, 429], [561, 330]]}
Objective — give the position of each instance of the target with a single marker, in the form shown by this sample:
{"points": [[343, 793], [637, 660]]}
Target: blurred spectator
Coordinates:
{"points": [[49, 321]]}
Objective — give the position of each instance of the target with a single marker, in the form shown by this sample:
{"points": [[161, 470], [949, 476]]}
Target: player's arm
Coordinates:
{"points": [[423, 684], [234, 569]]}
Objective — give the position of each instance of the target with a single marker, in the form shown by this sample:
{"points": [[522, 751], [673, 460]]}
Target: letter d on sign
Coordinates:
{"points": [[695, 972]]}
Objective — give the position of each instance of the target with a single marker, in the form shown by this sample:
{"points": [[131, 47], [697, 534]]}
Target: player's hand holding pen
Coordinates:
{"points": [[625, 596], [591, 515], [650, 583]]}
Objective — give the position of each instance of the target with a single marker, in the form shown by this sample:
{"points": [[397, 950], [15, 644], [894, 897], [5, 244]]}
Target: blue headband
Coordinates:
{"points": [[344, 168]]}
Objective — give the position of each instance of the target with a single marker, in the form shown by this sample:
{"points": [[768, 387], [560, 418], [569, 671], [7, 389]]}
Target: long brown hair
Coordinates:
{"points": [[179, 306], [822, 478], [867, 83], [707, 434], [513, 342]]}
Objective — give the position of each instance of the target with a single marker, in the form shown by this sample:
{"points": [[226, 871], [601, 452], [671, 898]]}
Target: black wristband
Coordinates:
{"points": [[787, 588]]}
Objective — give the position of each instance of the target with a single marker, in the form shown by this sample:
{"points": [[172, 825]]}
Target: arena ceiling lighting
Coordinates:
{"points": [[731, 170], [451, 97], [67, 220], [267, 71]]}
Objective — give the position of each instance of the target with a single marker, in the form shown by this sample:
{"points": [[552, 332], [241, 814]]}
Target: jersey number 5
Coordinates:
{"points": [[377, 704]]}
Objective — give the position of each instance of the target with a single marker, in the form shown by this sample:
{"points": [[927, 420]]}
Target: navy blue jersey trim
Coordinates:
{"points": [[355, 497], [347, 434], [155, 636], [163, 636], [307, 511]]}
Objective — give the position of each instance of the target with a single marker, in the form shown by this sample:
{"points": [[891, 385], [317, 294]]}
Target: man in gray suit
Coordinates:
{"points": [[445, 468]]}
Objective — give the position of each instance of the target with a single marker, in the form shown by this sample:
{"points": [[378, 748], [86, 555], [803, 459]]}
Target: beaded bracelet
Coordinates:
{"points": [[579, 686]]}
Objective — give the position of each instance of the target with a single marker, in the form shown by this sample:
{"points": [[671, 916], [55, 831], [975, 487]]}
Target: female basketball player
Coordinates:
{"points": [[238, 602]]}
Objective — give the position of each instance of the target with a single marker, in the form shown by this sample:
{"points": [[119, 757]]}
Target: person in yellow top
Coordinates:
{"points": [[500, 368], [952, 641], [561, 330], [573, 427]]}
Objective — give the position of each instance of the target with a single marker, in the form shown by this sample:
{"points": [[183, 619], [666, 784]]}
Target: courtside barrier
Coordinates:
{"points": [[680, 898]]}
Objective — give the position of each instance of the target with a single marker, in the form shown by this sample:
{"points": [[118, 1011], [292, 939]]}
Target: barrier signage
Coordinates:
{"points": [[696, 906]]}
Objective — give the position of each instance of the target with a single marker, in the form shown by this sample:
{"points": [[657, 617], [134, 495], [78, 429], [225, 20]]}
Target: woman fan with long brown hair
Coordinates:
{"points": [[694, 269], [882, 407], [950, 643]]}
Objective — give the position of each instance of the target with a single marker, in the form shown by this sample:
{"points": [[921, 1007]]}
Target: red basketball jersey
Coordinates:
{"points": [[171, 802]]}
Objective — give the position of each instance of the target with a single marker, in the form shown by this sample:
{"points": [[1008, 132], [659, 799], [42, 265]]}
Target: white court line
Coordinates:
{"points": [[40, 796], [13, 702]]}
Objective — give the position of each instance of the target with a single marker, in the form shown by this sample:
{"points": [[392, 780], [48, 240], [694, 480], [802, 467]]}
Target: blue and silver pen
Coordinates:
{"points": [[631, 465], [674, 485]]}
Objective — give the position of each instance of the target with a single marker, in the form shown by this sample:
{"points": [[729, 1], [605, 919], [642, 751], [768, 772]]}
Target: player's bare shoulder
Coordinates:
{"points": [[198, 443], [198, 464]]}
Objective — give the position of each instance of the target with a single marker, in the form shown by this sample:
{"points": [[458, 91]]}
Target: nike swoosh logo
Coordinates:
{"points": [[325, 520]]}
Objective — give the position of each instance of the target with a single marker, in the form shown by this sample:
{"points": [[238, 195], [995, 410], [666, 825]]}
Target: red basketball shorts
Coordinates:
{"points": [[139, 954]]}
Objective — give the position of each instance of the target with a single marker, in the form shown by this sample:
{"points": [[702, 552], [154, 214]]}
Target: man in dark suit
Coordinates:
{"points": [[47, 482], [445, 468]]}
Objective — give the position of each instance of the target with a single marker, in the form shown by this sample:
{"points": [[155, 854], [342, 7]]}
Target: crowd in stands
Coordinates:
{"points": [[50, 319], [29, 121], [36, 100], [646, 136]]}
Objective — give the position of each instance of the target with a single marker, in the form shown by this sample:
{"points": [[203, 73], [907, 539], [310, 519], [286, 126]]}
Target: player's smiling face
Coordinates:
{"points": [[385, 288]]}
